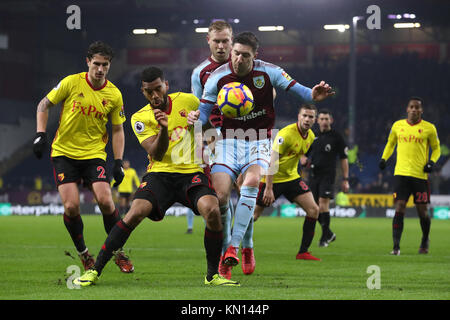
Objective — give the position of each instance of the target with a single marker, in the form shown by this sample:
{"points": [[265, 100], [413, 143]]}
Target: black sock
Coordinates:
{"points": [[75, 227], [110, 220], [324, 220], [308, 233], [425, 223], [116, 239], [397, 229], [213, 241]]}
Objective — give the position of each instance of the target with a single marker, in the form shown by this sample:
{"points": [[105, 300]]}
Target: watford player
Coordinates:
{"points": [[413, 137], [78, 154], [173, 175], [292, 142], [126, 187]]}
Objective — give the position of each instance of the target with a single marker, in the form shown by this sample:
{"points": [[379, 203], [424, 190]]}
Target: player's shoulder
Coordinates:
{"points": [[141, 114], [427, 124], [221, 71], [201, 66], [183, 97], [264, 65]]}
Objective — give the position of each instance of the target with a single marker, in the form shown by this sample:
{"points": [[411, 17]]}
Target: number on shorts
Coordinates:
{"points": [[303, 185], [196, 179], [422, 197], [101, 175]]}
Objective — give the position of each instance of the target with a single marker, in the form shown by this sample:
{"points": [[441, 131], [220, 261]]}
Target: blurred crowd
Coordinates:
{"points": [[384, 85]]}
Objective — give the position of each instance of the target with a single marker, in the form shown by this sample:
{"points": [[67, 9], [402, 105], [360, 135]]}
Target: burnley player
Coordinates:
{"points": [[220, 34], [413, 137], [78, 154], [245, 147], [172, 176]]}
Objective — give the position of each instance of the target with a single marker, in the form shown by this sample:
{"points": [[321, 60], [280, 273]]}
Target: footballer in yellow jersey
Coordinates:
{"points": [[413, 137], [126, 188], [157, 131], [290, 144], [180, 156], [78, 154]]}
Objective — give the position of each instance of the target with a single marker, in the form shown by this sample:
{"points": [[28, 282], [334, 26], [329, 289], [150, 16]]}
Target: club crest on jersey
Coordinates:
{"points": [[183, 113], [122, 112], [104, 102], [143, 184], [259, 82], [61, 176]]}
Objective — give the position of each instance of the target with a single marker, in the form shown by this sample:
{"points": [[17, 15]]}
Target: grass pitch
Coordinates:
{"points": [[36, 253]]}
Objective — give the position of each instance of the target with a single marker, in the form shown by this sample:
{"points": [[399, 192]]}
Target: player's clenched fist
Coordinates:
{"points": [[161, 117], [192, 117], [39, 144]]}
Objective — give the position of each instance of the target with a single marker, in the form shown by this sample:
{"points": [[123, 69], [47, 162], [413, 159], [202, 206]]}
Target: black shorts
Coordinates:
{"points": [[405, 186], [290, 189], [322, 186], [67, 170], [163, 189]]}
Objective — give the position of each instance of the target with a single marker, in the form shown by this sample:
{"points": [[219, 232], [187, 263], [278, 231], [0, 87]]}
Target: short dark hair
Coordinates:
{"points": [[101, 48], [151, 74], [417, 98], [325, 111], [308, 107], [247, 38]]}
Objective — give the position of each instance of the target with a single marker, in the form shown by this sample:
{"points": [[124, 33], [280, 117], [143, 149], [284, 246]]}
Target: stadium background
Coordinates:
{"points": [[37, 50]]}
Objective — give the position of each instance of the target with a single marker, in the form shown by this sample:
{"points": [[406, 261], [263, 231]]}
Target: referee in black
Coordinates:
{"points": [[326, 148]]}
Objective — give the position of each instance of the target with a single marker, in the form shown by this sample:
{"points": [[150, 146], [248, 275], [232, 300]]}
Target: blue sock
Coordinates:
{"points": [[243, 213], [247, 241], [226, 222], [190, 219]]}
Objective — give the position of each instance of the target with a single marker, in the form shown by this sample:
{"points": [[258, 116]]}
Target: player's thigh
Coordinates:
{"points": [[140, 209], [103, 195], [70, 198], [158, 189], [222, 183], [306, 201]]}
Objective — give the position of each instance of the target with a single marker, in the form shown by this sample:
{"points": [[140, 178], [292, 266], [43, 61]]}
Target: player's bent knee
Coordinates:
{"points": [[72, 209], [313, 212]]}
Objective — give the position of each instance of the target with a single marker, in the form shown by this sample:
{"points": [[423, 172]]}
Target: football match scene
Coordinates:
{"points": [[224, 159]]}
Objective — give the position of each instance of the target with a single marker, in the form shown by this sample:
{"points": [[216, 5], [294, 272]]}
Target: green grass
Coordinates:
{"points": [[170, 265]]}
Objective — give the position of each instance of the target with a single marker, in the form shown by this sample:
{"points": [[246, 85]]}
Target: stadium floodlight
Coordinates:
{"points": [[338, 27], [407, 25], [145, 31], [201, 30], [270, 28]]}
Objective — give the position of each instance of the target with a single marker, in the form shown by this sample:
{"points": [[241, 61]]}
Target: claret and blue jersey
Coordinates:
{"points": [[261, 81]]}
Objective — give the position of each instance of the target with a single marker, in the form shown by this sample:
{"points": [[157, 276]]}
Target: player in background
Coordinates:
{"points": [[127, 187], [292, 142], [245, 147], [172, 175], [413, 137], [327, 147], [219, 38], [78, 154]]}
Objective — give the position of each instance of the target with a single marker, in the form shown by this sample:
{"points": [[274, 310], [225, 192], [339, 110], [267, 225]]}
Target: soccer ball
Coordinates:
{"points": [[235, 100]]}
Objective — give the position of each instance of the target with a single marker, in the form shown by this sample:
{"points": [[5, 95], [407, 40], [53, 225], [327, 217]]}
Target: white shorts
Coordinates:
{"points": [[235, 156]]}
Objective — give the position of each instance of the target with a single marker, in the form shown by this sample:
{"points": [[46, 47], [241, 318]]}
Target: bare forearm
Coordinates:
{"points": [[344, 167], [118, 141], [42, 114]]}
